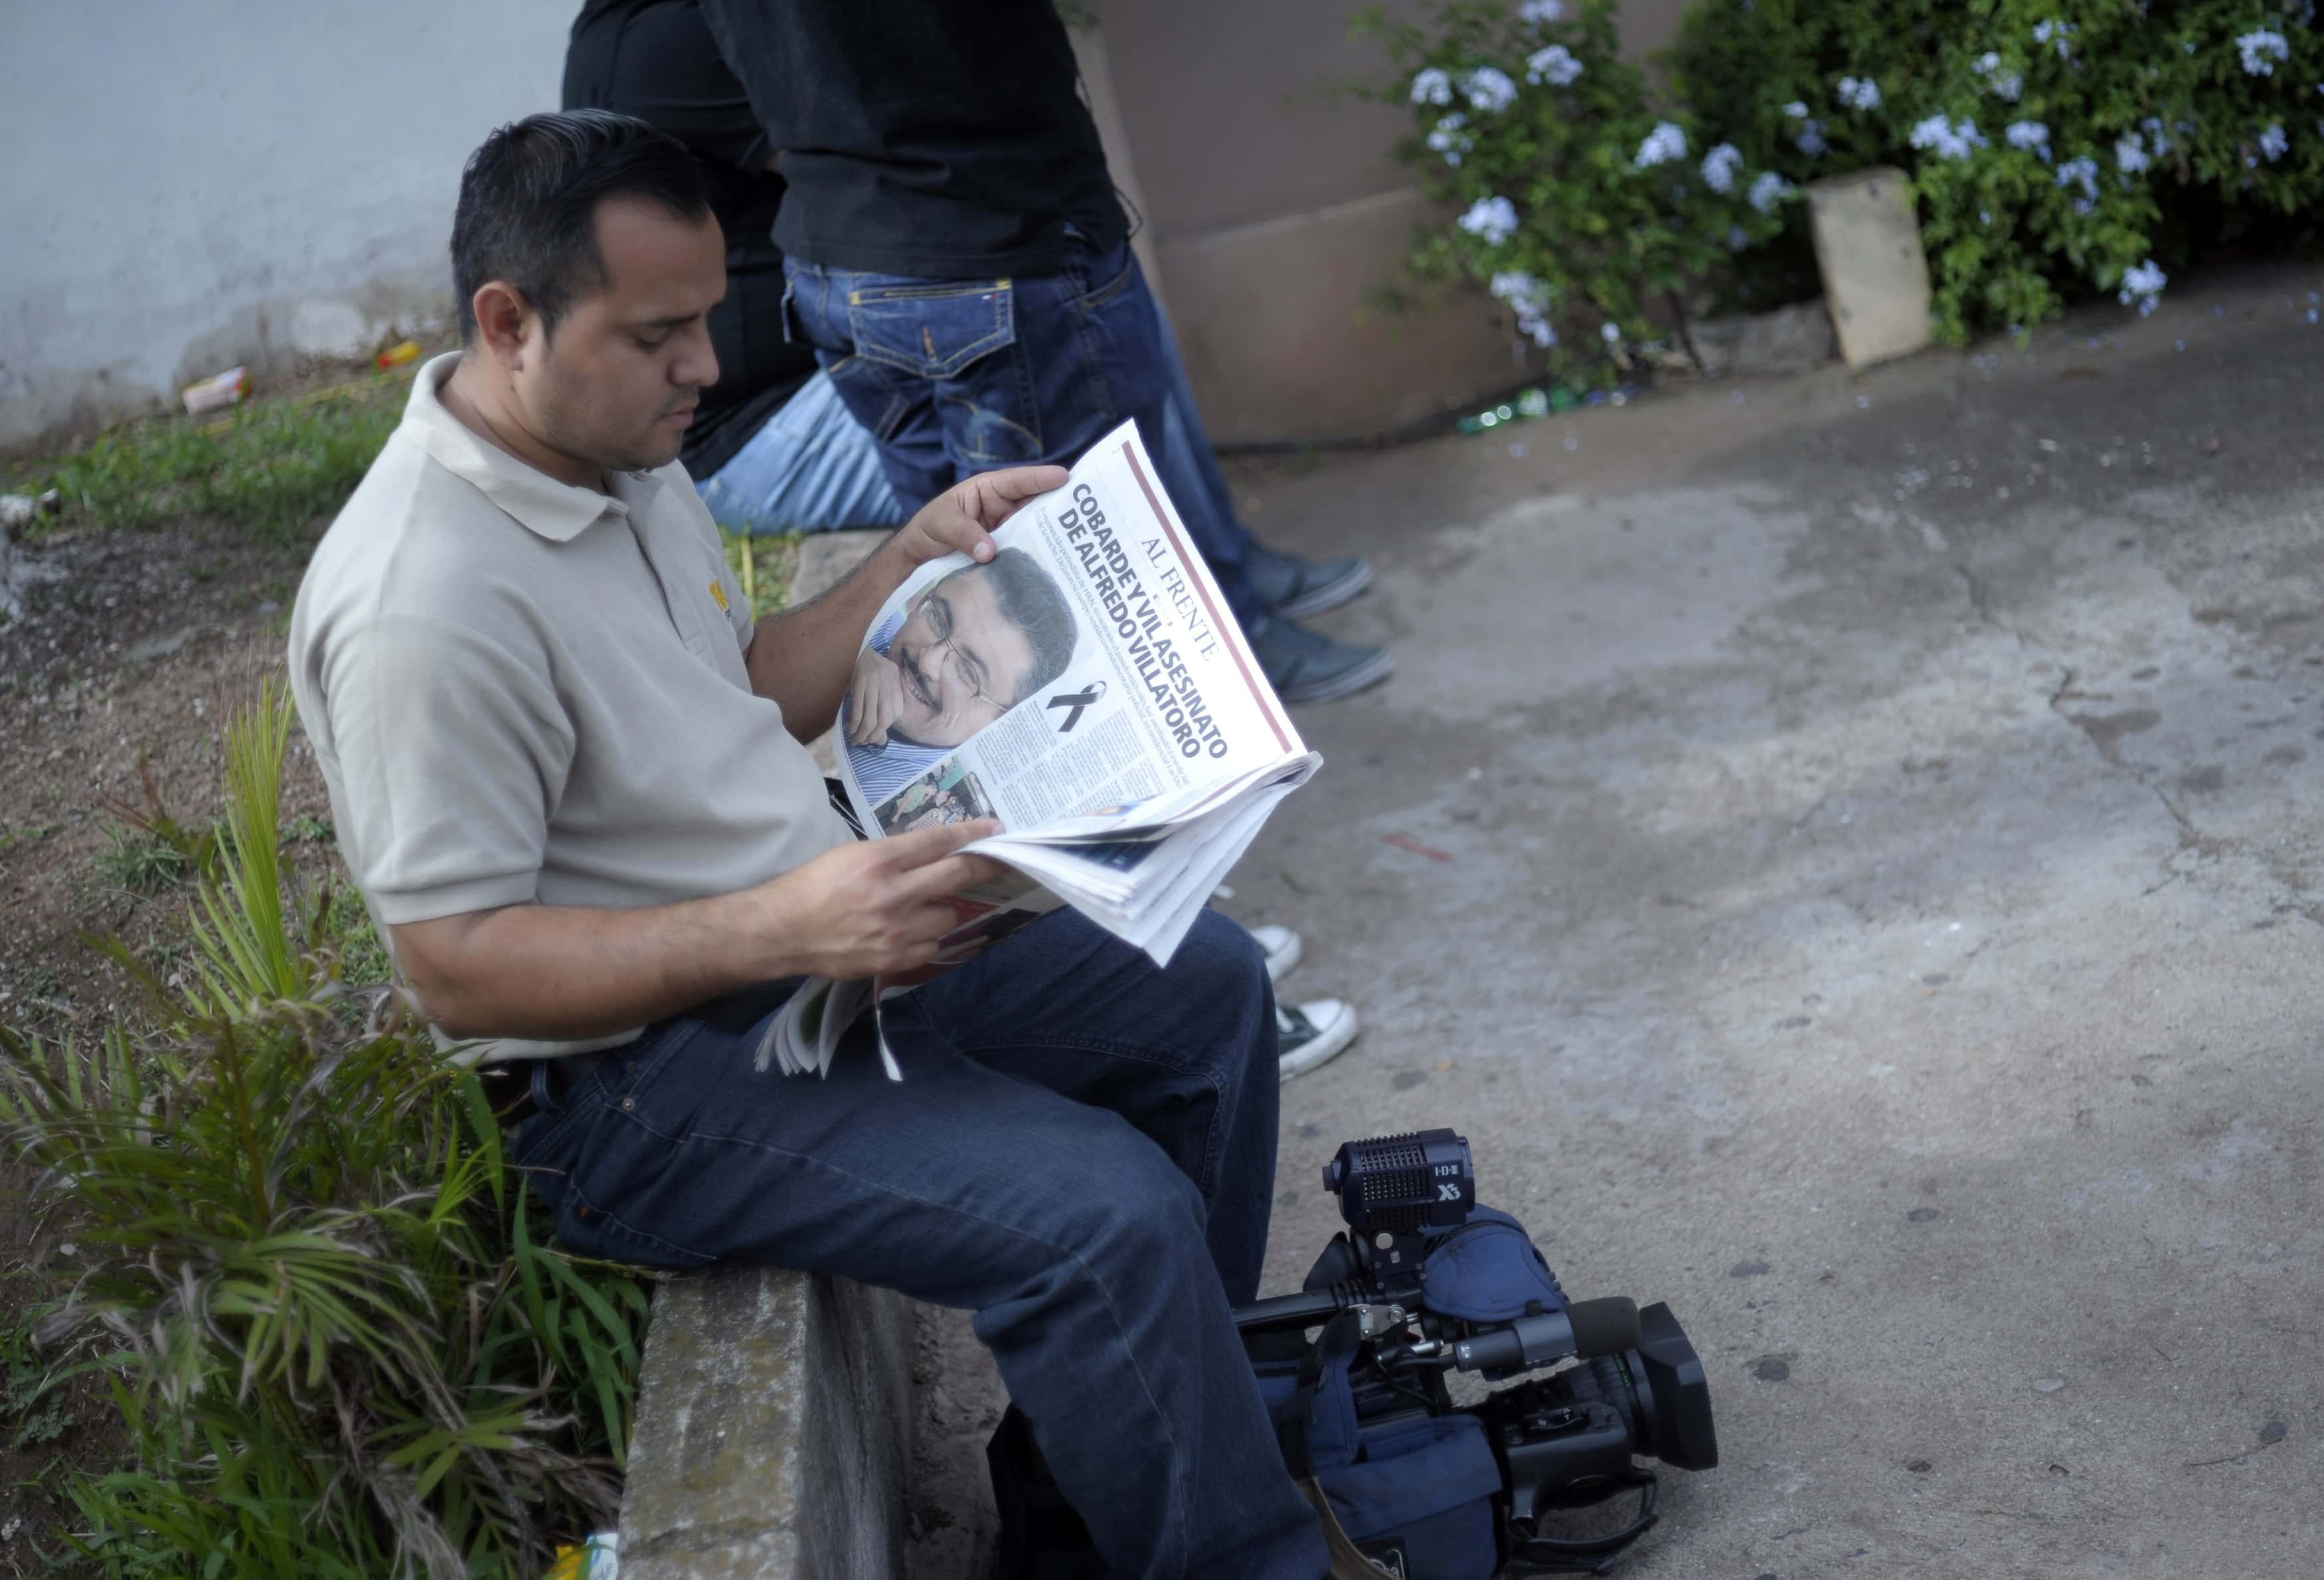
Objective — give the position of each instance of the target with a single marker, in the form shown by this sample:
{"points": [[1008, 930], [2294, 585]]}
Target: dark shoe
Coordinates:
{"points": [[1305, 668], [1299, 588]]}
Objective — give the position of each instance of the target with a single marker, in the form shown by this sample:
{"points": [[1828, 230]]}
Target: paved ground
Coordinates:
{"points": [[1870, 897]]}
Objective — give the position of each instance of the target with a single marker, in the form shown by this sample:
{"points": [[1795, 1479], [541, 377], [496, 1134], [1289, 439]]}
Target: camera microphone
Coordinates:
{"points": [[1585, 1328]]}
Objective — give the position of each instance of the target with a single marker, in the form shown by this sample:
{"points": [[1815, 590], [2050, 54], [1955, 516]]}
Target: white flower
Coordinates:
{"points": [[1810, 141], [2054, 33], [2272, 143], [2155, 140], [2030, 135], [1663, 143], [2001, 84], [1768, 189], [1737, 238], [1518, 289], [2261, 50], [1447, 139], [1796, 110], [2084, 172], [1610, 333], [1431, 86], [2130, 155], [1554, 65], [1488, 88], [1528, 298], [1947, 138], [2142, 287], [1860, 93], [1538, 12], [1719, 166], [1492, 220]]}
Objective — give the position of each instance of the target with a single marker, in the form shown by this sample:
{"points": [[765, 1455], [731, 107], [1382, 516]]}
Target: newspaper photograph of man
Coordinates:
{"points": [[947, 793], [966, 650]]}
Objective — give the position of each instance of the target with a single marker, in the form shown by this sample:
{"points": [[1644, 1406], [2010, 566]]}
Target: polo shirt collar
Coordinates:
{"points": [[558, 511]]}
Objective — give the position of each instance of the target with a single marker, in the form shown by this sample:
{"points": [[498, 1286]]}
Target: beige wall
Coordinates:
{"points": [[1274, 211]]}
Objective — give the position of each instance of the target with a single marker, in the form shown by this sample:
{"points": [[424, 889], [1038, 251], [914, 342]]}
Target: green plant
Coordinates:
{"points": [[343, 1347], [309, 828], [270, 469], [2057, 147], [25, 1381], [1593, 205], [143, 863], [150, 849], [362, 958]]}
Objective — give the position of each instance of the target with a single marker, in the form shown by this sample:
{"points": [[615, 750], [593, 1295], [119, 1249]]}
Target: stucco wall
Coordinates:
{"points": [[193, 183]]}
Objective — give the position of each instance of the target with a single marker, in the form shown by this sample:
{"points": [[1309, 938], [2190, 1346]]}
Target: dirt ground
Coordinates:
{"points": [[131, 647]]}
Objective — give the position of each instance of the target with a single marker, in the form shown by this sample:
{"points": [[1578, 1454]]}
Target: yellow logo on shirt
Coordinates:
{"points": [[719, 594]]}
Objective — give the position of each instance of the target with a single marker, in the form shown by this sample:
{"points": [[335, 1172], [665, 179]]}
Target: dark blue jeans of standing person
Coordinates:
{"points": [[1082, 1151], [953, 377]]}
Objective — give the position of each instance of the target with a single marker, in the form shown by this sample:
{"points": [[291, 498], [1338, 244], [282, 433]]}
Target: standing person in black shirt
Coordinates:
{"points": [[771, 447], [959, 261]]}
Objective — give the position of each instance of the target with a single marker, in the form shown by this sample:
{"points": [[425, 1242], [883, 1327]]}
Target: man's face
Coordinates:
{"points": [[617, 383], [963, 663]]}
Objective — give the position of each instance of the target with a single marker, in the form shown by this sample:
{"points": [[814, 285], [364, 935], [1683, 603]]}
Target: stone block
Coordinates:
{"points": [[1876, 277], [773, 1434], [1789, 340]]}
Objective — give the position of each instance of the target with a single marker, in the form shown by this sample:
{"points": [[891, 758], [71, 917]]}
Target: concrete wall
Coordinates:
{"points": [[194, 183], [1275, 212]]}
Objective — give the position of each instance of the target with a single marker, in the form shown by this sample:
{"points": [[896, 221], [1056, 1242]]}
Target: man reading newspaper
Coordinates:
{"points": [[568, 775]]}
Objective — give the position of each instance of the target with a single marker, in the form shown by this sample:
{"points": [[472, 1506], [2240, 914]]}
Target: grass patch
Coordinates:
{"points": [[269, 469], [763, 563]]}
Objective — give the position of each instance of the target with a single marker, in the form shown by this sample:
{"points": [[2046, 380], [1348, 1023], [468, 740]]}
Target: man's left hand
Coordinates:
{"points": [[960, 519]]}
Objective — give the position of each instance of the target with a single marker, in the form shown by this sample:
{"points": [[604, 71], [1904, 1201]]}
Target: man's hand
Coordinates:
{"points": [[875, 699], [960, 519], [868, 909]]}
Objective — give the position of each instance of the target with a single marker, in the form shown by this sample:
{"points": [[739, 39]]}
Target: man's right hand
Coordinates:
{"points": [[871, 908]]}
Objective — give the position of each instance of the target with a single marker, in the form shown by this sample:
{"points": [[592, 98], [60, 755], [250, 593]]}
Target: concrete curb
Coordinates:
{"points": [[773, 1432]]}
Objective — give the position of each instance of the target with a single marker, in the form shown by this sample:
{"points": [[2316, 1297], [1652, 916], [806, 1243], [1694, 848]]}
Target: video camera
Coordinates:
{"points": [[1425, 1283]]}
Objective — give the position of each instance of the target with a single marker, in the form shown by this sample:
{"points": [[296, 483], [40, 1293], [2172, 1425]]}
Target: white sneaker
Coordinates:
{"points": [[1282, 947], [1312, 1034]]}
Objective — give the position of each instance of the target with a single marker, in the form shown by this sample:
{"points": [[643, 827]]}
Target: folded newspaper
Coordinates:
{"points": [[1088, 687]]}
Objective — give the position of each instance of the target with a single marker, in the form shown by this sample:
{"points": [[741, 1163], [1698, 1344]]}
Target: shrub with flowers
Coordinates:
{"points": [[2057, 147], [1585, 204]]}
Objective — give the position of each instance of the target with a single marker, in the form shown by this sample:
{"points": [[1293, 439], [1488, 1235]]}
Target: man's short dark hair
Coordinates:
{"points": [[1032, 601], [528, 209]]}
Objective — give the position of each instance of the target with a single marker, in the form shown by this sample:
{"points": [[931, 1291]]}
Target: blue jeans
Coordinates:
{"points": [[1082, 1151], [955, 376], [809, 468]]}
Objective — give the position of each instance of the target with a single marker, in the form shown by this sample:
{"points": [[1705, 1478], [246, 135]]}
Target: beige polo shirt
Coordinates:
{"points": [[519, 690]]}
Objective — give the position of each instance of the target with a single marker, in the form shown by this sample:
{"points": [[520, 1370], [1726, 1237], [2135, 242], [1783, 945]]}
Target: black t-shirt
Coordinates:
{"points": [[943, 138], [655, 60]]}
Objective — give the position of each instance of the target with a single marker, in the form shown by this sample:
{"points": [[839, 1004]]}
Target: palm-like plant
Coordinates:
{"points": [[342, 1345]]}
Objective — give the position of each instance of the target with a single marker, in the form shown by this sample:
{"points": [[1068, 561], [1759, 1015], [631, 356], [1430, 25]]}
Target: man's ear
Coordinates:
{"points": [[502, 319]]}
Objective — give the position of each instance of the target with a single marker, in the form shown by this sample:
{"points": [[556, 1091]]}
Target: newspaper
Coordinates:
{"points": [[1088, 687]]}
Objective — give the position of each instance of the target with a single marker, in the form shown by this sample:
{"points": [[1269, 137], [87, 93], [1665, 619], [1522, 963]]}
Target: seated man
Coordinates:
{"points": [[569, 777], [774, 448]]}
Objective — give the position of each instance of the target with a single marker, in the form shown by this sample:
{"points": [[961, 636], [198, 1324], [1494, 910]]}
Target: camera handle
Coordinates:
{"points": [[1593, 1555]]}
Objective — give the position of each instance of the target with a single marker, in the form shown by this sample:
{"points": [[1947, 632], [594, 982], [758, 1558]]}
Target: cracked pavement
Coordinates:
{"points": [[1881, 918], [1879, 914]]}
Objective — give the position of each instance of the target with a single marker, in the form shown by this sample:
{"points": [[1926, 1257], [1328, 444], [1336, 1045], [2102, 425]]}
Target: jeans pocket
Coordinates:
{"points": [[934, 328], [1117, 270]]}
